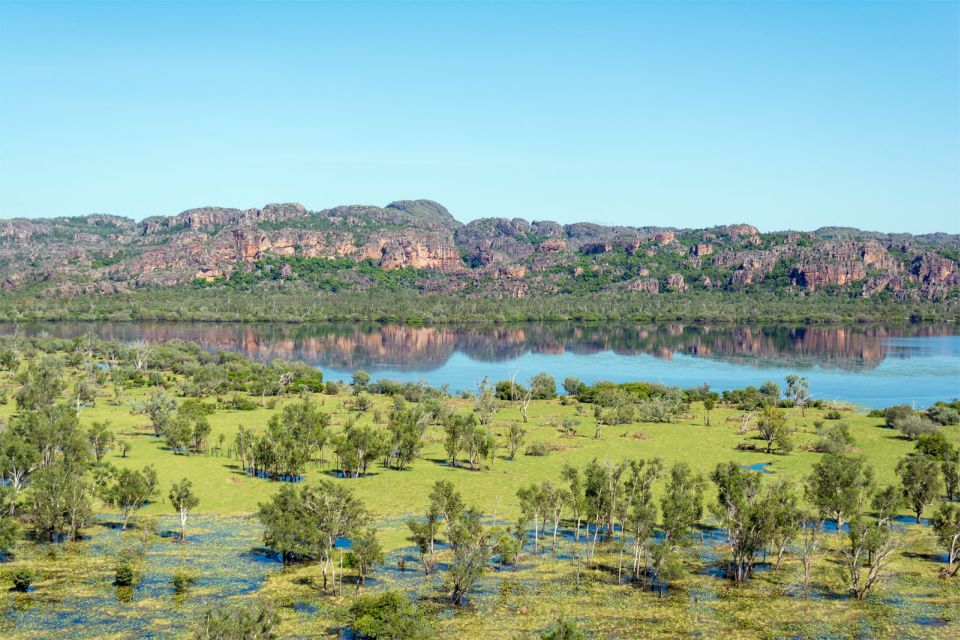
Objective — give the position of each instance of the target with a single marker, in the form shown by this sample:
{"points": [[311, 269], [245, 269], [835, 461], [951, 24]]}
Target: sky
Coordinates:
{"points": [[779, 114]]}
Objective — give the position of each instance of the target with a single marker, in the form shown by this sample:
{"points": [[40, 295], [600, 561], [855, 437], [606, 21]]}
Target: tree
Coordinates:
{"points": [[516, 435], [572, 385], [682, 508], [640, 510], [406, 429], [60, 501], [365, 553], [446, 502], [543, 387], [183, 501], [9, 534], [159, 407], [85, 391], [575, 495], [946, 524], [130, 491], [839, 485], [784, 515], [506, 546], [178, 433], [770, 392], [360, 381], [773, 427], [18, 460], [951, 475], [742, 514], [708, 406], [386, 616], [798, 390], [920, 478], [307, 523], [100, 438], [485, 406], [256, 621], [471, 553], [869, 550], [41, 385]]}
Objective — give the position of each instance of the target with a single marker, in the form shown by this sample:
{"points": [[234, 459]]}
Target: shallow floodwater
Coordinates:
{"points": [[872, 366]]}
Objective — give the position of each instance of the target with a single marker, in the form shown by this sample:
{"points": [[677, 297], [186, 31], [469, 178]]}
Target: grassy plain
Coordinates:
{"points": [[522, 604]]}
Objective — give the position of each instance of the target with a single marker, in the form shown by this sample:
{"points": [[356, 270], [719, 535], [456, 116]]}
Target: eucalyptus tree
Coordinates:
{"points": [[575, 495], [543, 387], [41, 384], [946, 525], [18, 460], [365, 553], [640, 509], [446, 501], [743, 514], [130, 490], [516, 435], [839, 485], [307, 522], [183, 500], [470, 544], [59, 501], [159, 407], [485, 405], [774, 429], [406, 429], [798, 390], [603, 491], [681, 507], [865, 558], [920, 479], [786, 517], [101, 439]]}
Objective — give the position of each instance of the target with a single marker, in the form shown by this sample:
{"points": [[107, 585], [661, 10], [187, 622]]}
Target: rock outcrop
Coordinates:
{"points": [[499, 257]]}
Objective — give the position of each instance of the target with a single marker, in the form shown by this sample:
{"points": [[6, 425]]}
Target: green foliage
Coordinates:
{"points": [[387, 616], [563, 629], [124, 576], [256, 621], [22, 579]]}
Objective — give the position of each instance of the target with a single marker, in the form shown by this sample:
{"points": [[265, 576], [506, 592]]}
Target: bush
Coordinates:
{"points": [[331, 388], [240, 622], [943, 414], [833, 414], [125, 576], [563, 630], [182, 580], [386, 615], [22, 579], [914, 426], [537, 449], [892, 415]]}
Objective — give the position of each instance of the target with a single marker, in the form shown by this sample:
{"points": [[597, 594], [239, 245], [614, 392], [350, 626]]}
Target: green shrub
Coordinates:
{"points": [[124, 576], [833, 415], [182, 580], [537, 449], [22, 579]]}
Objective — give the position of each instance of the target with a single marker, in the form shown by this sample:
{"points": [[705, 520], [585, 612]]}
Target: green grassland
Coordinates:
{"points": [[522, 604]]}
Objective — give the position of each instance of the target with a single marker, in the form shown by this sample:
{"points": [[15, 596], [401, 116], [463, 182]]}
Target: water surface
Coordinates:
{"points": [[872, 366]]}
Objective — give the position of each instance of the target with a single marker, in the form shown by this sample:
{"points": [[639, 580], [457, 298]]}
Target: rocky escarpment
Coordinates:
{"points": [[502, 257]]}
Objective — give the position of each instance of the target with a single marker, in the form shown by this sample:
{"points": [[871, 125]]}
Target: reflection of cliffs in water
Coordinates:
{"points": [[380, 348]]}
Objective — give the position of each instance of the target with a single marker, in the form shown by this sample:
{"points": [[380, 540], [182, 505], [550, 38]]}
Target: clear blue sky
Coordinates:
{"points": [[784, 115]]}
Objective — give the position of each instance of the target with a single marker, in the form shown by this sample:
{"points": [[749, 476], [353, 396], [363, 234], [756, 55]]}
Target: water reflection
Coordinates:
{"points": [[872, 366], [418, 348]]}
